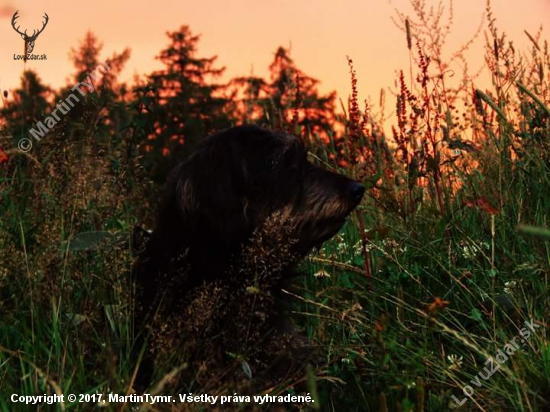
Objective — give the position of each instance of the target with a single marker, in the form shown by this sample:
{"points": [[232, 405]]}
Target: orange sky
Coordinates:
{"points": [[245, 33]]}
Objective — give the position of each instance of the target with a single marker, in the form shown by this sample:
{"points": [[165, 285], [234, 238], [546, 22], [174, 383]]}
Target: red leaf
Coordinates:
{"points": [[481, 203], [3, 157]]}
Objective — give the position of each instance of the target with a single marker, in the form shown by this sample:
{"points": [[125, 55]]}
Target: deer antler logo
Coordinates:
{"points": [[29, 40]]}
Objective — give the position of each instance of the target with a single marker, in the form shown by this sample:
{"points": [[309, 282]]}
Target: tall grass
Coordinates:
{"points": [[443, 263], [450, 272]]}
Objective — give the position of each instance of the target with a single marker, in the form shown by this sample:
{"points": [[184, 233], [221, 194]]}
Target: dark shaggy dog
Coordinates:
{"points": [[235, 219]]}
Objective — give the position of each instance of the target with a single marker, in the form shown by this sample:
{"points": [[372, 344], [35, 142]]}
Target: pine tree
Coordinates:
{"points": [[290, 98], [182, 102], [108, 94], [27, 105], [86, 58]]}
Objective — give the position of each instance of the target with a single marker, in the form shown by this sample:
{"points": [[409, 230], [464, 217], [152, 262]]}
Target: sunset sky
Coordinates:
{"points": [[245, 33]]}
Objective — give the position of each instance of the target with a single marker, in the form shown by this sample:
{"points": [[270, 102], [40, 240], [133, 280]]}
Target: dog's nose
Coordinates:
{"points": [[356, 191]]}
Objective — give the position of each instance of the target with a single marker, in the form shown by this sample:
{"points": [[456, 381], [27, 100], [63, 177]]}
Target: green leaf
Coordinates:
{"points": [[534, 230], [475, 314], [88, 240], [359, 261]]}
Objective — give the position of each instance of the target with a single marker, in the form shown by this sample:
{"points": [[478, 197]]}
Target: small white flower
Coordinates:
{"points": [[411, 385], [455, 362], [342, 247], [509, 286], [322, 273], [472, 250], [358, 247]]}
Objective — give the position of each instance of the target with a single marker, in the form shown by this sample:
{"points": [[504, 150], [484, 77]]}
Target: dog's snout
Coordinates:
{"points": [[356, 191]]}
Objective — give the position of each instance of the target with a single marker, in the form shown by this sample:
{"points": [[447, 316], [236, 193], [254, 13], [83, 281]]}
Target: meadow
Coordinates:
{"points": [[434, 297]]}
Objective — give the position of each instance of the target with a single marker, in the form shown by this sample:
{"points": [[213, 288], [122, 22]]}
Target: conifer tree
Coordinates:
{"points": [[25, 106], [182, 101], [289, 98]]}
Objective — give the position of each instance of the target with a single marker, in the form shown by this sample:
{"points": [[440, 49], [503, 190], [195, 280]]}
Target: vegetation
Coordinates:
{"points": [[440, 268]]}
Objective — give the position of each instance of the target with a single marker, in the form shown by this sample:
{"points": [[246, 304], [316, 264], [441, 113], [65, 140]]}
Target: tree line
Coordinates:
{"points": [[161, 116]]}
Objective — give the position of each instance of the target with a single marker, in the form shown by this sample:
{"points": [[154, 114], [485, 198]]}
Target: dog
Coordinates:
{"points": [[235, 220]]}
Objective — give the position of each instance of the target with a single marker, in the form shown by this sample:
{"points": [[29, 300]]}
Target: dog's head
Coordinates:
{"points": [[243, 175]]}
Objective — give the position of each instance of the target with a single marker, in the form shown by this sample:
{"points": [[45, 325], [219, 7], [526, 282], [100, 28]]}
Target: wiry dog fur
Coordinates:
{"points": [[235, 219]]}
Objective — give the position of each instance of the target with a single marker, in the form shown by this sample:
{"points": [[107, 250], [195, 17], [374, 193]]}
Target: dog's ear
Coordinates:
{"points": [[211, 187], [140, 238]]}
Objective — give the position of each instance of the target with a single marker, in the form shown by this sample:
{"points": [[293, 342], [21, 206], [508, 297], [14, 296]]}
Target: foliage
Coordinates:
{"points": [[288, 100], [440, 268], [180, 103]]}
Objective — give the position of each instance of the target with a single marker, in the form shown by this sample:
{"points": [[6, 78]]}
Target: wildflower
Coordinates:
{"points": [[466, 275], [342, 247], [381, 323], [472, 250], [356, 307], [252, 290], [455, 362], [481, 203], [3, 157], [437, 305], [411, 385], [321, 274], [509, 286], [358, 247], [392, 245]]}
